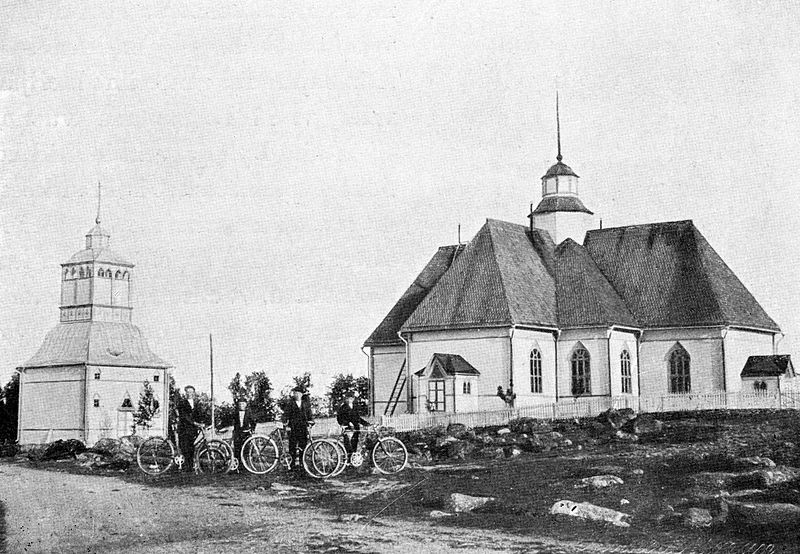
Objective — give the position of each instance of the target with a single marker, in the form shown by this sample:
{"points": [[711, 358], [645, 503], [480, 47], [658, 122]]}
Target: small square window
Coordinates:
{"points": [[97, 376], [155, 378], [96, 402]]}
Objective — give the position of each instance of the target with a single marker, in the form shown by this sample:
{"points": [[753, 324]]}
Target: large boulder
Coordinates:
{"points": [[456, 430], [586, 510], [770, 477], [106, 447], [644, 425], [62, 449], [462, 503], [753, 514], [459, 450], [616, 419]]}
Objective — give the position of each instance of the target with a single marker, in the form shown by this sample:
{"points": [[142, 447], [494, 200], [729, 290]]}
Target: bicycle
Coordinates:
{"points": [[157, 455], [387, 453], [261, 454]]}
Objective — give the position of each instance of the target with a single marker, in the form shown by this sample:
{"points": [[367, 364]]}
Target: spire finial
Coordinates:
{"points": [[558, 129], [97, 219]]}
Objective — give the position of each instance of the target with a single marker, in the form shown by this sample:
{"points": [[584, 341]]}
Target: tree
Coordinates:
{"points": [[148, 408], [257, 390], [9, 406], [344, 384]]}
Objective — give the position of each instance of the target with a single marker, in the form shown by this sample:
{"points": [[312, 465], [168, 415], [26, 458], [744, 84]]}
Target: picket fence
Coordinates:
{"points": [[581, 408]]}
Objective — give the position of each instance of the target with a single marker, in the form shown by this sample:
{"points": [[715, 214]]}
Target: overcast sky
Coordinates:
{"points": [[280, 172]]}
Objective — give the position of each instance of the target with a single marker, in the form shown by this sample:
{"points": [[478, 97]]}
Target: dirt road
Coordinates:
{"points": [[53, 511]]}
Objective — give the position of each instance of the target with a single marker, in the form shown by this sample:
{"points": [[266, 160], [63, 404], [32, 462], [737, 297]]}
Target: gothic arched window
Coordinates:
{"points": [[536, 371], [126, 402], [118, 275], [625, 371], [581, 379], [679, 371]]}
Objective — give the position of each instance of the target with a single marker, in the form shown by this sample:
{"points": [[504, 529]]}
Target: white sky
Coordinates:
{"points": [[280, 174]]}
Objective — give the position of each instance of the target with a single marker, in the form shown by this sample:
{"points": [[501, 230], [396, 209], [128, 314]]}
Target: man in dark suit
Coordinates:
{"points": [[243, 427], [348, 417], [190, 416], [297, 415]]}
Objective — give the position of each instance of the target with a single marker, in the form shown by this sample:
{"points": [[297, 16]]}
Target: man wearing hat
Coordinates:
{"points": [[297, 415], [190, 416], [243, 426], [348, 417]]}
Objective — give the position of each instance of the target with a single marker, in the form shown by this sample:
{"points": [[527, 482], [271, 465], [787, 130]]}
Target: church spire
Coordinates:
{"points": [[97, 219], [558, 132]]}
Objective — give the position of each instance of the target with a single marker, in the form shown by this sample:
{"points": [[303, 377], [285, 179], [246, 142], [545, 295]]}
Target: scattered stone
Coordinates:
{"points": [[462, 503], [503, 431], [512, 452], [638, 471], [697, 517], [586, 510], [459, 449], [436, 514], [566, 443], [615, 419], [758, 461], [763, 515], [350, 517], [491, 453], [714, 479], [644, 424], [770, 477], [287, 489], [624, 501], [600, 481], [623, 436]]}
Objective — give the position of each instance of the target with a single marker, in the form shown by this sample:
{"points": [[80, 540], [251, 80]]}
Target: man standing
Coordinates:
{"points": [[243, 426], [189, 421], [348, 417], [297, 415]]}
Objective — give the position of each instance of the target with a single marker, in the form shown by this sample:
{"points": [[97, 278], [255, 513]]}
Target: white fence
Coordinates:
{"points": [[589, 407]]}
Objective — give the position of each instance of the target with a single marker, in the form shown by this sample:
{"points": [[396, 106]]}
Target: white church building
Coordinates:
{"points": [[557, 311], [86, 378]]}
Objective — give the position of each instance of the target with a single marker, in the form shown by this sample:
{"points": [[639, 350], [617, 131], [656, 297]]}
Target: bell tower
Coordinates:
{"points": [[561, 212], [96, 282]]}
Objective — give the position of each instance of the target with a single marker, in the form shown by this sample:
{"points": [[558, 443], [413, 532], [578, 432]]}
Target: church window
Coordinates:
{"points": [[679, 378], [467, 387], [125, 275], [97, 375], [581, 379], [66, 273], [536, 371], [96, 401], [625, 371], [436, 395], [118, 275], [126, 402]]}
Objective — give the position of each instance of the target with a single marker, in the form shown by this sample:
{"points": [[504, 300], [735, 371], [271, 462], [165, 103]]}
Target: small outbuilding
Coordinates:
{"points": [[763, 373]]}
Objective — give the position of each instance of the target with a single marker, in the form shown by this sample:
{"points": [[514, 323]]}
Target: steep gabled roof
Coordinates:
{"points": [[768, 366], [95, 343], [669, 276], [451, 364], [386, 332], [498, 280], [584, 296]]}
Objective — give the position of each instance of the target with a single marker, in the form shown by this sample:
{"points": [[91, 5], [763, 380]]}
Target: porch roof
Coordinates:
{"points": [[451, 364], [768, 366]]}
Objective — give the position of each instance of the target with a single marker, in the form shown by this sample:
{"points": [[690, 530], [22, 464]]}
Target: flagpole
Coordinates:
{"points": [[211, 360]]}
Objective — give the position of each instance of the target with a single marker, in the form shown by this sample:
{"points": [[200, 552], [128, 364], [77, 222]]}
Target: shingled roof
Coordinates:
{"points": [[669, 276], [386, 333], [499, 279], [451, 364], [96, 343], [584, 296], [768, 366], [561, 204]]}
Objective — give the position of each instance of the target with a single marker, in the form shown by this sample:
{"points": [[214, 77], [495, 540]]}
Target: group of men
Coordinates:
{"points": [[297, 416]]}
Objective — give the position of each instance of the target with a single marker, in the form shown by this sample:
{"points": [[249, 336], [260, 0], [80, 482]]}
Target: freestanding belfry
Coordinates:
{"points": [[86, 378]]}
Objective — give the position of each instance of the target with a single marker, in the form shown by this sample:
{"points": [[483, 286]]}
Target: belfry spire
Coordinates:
{"points": [[97, 219], [558, 130]]}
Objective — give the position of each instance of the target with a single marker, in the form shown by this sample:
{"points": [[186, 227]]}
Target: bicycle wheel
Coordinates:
{"points": [[155, 455], [225, 449], [321, 458], [259, 454], [342, 459], [389, 455], [212, 459]]}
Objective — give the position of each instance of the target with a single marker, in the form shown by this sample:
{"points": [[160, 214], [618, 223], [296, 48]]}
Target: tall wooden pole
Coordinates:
{"points": [[211, 359]]}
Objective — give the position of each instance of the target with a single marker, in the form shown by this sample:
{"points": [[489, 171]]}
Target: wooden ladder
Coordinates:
{"points": [[397, 391]]}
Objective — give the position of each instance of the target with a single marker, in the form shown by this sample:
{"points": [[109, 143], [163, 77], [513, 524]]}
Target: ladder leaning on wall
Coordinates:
{"points": [[397, 391]]}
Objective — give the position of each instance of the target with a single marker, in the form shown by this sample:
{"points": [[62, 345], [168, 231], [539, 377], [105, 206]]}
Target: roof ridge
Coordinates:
{"points": [[642, 225], [512, 317], [710, 283]]}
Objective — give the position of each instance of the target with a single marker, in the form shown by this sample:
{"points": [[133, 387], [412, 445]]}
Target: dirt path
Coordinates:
{"points": [[49, 511]]}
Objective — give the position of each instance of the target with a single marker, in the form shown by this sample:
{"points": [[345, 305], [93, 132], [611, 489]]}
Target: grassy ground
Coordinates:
{"points": [[527, 486]]}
